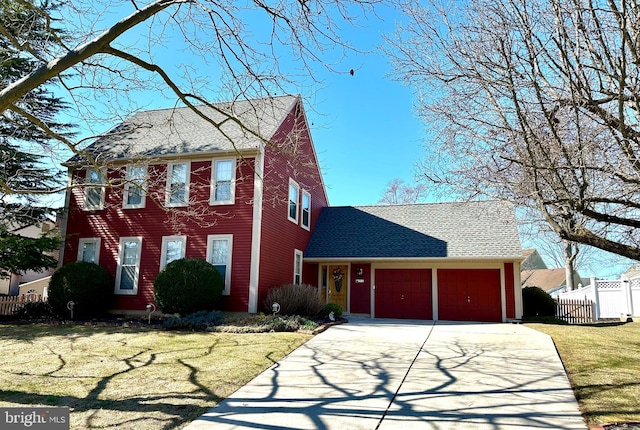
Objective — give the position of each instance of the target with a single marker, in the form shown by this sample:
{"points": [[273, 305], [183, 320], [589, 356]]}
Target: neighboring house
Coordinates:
{"points": [[252, 202], [532, 260], [550, 280], [447, 261], [11, 285], [243, 197]]}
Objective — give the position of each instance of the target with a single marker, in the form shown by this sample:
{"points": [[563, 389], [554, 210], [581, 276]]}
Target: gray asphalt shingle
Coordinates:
{"points": [[485, 229], [241, 125]]}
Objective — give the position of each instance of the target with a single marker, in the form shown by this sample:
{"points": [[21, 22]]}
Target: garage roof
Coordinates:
{"points": [[483, 229]]}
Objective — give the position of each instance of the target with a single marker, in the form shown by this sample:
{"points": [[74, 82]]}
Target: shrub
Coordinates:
{"points": [[267, 324], [88, 285], [34, 311], [302, 300], [331, 307], [201, 320], [537, 303], [186, 286]]}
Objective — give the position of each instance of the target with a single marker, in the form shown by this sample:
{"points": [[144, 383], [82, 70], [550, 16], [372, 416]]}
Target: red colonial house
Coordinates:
{"points": [[238, 186]]}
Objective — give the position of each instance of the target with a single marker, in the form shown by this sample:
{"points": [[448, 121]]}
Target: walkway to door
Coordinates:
{"points": [[392, 374]]}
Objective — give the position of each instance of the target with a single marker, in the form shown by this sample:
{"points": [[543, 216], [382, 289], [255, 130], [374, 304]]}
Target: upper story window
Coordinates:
{"points": [[297, 267], [294, 191], [89, 250], [173, 248], [223, 181], [134, 187], [219, 249], [128, 270], [94, 190], [178, 184], [306, 210]]}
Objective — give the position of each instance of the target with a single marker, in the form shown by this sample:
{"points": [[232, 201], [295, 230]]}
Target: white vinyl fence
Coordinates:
{"points": [[611, 298]]}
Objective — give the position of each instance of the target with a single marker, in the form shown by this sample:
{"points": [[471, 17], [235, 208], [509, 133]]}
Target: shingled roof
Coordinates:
{"points": [[242, 125], [485, 229]]}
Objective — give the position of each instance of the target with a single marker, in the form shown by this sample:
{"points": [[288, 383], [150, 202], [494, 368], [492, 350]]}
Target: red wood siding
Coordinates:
{"points": [[360, 298], [469, 295], [285, 159], [403, 293], [509, 289], [154, 221]]}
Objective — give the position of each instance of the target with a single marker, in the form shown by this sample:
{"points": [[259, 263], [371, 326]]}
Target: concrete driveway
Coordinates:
{"points": [[398, 374]]}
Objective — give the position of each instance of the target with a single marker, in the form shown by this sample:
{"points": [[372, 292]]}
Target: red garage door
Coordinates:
{"points": [[403, 293], [469, 295]]}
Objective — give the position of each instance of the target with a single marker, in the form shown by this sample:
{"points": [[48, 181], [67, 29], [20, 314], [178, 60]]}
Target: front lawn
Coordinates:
{"points": [[603, 365], [131, 378]]}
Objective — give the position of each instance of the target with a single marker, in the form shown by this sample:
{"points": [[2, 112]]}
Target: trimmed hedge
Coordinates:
{"points": [[187, 286], [88, 285]]}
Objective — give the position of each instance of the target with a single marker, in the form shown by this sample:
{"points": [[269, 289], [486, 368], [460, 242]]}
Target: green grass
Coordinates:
{"points": [[603, 365], [131, 378]]}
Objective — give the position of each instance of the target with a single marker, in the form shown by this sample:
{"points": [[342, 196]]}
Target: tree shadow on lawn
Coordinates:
{"points": [[117, 399]]}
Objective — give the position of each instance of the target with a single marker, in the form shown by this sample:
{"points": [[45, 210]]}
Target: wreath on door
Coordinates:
{"points": [[338, 274]]}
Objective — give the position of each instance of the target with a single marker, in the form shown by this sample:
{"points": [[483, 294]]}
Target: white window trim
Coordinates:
{"points": [[229, 237], [212, 195], [186, 186], [136, 277], [294, 184], [94, 240], [308, 225], [100, 206], [165, 241], [297, 253], [128, 184]]}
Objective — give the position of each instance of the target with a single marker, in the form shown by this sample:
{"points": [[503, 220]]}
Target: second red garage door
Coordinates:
{"points": [[403, 293], [469, 295]]}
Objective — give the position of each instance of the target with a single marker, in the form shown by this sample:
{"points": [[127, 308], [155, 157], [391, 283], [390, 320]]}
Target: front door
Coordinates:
{"points": [[337, 291]]}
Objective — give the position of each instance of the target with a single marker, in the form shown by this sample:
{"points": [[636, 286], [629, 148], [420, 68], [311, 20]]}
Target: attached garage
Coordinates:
{"points": [[469, 295], [403, 293], [443, 261]]}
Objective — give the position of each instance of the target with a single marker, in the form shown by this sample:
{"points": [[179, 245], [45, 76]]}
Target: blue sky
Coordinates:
{"points": [[364, 128]]}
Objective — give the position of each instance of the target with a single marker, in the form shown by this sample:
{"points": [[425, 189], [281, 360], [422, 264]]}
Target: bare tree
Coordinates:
{"points": [[536, 102], [107, 69], [398, 192]]}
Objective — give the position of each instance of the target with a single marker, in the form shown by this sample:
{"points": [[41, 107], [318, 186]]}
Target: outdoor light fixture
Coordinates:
{"points": [[275, 307], [151, 308], [70, 305]]}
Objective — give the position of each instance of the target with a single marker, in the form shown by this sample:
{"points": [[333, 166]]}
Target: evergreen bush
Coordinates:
{"points": [[536, 302], [187, 286], [88, 285]]}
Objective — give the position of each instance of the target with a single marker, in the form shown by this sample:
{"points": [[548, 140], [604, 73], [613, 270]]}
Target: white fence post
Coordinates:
{"points": [[596, 298], [626, 293]]}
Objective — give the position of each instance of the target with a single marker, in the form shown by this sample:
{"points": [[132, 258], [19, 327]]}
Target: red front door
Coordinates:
{"points": [[469, 295], [403, 293]]}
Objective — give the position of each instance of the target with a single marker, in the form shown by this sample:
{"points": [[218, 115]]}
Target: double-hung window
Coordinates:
{"points": [[177, 193], [94, 189], [134, 187], [297, 267], [294, 191], [306, 210], [223, 181], [173, 248], [219, 249], [128, 270], [89, 250]]}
